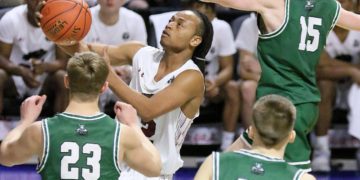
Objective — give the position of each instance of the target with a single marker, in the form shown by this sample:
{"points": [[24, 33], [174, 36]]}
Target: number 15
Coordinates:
{"points": [[309, 30]]}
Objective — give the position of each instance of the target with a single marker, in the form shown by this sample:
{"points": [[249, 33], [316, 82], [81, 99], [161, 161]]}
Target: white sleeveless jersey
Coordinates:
{"points": [[129, 27], [223, 44], [351, 46], [167, 132]]}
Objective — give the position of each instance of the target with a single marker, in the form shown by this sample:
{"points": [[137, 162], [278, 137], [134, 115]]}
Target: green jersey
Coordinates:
{"points": [[246, 165], [80, 147], [289, 55]]}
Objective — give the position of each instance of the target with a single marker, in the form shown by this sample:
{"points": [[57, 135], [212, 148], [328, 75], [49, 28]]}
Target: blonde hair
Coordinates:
{"points": [[274, 117], [87, 72]]}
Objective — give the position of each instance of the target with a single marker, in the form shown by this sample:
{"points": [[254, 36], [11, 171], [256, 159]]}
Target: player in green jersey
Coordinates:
{"points": [[82, 142], [271, 129], [293, 35]]}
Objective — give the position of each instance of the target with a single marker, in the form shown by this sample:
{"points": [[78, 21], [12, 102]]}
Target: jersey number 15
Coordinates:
{"points": [[309, 30]]}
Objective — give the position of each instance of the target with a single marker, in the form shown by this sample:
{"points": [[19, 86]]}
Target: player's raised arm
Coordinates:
{"points": [[205, 170], [26, 139], [348, 20]]}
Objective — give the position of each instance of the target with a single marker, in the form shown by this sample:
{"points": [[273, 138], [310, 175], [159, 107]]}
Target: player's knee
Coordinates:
{"points": [[232, 91], [248, 90]]}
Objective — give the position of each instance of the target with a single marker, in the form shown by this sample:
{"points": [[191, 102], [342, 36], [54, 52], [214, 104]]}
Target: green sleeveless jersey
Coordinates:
{"points": [[289, 55], [80, 147], [246, 165]]}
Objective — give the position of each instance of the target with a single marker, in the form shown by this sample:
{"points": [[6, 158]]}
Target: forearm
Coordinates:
{"points": [[223, 77], [128, 95], [9, 67], [54, 66], [335, 70]]}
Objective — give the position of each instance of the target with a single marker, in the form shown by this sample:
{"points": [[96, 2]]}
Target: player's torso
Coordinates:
{"points": [[245, 165], [167, 132], [80, 147], [289, 55], [347, 49]]}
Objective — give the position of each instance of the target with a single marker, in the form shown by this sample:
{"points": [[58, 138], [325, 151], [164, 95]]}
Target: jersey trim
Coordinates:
{"points": [[216, 165], [300, 163], [336, 17], [83, 118], [46, 145], [116, 147], [298, 174], [182, 126], [259, 156], [282, 27]]}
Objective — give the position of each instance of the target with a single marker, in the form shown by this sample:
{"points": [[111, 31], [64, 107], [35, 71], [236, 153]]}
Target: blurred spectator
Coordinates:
{"points": [[10, 3], [219, 70], [137, 4], [248, 67], [91, 3], [114, 24], [28, 61], [336, 73]]}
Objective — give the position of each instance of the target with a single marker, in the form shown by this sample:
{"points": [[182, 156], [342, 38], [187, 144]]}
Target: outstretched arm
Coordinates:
{"points": [[348, 20], [26, 139], [138, 152], [245, 5], [187, 86]]}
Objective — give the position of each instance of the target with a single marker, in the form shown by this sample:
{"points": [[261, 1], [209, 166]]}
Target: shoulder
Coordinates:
{"points": [[219, 24], [307, 176], [192, 80], [14, 15]]}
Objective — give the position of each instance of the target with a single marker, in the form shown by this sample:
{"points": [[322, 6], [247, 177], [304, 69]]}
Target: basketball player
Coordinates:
{"points": [[82, 142], [293, 35], [167, 86], [28, 61], [113, 24], [271, 130], [342, 45], [219, 71]]}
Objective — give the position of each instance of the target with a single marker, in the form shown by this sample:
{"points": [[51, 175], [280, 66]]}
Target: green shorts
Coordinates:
{"points": [[298, 153]]}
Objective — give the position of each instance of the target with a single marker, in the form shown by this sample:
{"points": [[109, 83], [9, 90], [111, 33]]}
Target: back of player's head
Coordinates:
{"points": [[205, 31], [87, 73], [274, 117]]}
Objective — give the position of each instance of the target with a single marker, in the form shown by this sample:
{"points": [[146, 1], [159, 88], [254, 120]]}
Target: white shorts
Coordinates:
{"points": [[23, 90], [354, 113]]}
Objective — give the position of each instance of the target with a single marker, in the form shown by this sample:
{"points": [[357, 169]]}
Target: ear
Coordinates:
{"points": [[195, 41], [104, 87], [292, 136], [251, 132], [66, 81]]}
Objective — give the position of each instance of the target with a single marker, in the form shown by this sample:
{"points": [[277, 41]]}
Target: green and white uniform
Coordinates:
{"points": [[80, 147], [288, 59], [246, 165]]}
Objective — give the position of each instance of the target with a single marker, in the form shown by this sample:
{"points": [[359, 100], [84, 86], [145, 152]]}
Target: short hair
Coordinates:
{"points": [[87, 72], [274, 117], [206, 32]]}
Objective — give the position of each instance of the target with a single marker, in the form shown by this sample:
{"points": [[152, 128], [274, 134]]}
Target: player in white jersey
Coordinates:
{"points": [[169, 88], [113, 24], [27, 57], [219, 71]]}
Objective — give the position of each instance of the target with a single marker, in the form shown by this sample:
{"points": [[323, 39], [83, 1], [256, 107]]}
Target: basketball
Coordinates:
{"points": [[65, 22]]}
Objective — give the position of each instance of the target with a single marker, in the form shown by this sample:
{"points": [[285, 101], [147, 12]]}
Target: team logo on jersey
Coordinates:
{"points": [[126, 36], [257, 169], [81, 130], [309, 4]]}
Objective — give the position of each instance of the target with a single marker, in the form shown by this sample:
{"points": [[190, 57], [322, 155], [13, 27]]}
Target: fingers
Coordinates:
{"points": [[41, 100], [38, 15]]}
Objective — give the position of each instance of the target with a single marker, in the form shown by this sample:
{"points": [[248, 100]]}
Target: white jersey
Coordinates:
{"points": [[350, 47], [248, 35], [167, 132], [26, 41], [129, 27], [222, 45]]}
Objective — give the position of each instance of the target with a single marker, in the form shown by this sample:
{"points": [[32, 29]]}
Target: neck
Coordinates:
{"points": [[83, 108], [31, 19], [108, 18], [275, 152], [172, 61]]}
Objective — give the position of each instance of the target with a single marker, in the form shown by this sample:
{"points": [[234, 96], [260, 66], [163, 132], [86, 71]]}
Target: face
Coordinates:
{"points": [[110, 6], [181, 31], [347, 4]]}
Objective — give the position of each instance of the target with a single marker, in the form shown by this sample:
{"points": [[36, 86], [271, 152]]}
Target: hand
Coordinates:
{"points": [[29, 78], [38, 14], [125, 113], [212, 93], [210, 85], [31, 107], [38, 66], [124, 72]]}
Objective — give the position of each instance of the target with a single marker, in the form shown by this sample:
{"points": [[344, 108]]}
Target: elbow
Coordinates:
{"points": [[155, 171], [147, 115]]}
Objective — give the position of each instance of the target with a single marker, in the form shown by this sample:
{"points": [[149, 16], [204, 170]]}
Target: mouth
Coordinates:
{"points": [[165, 33]]}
